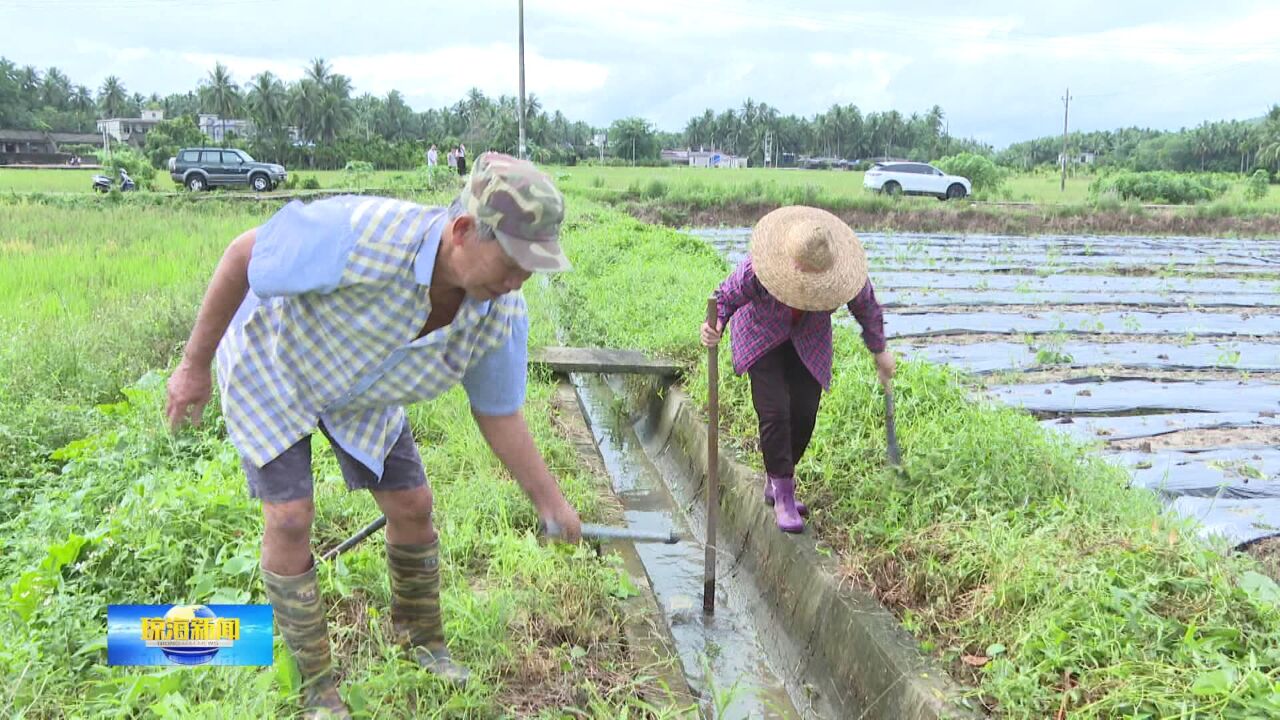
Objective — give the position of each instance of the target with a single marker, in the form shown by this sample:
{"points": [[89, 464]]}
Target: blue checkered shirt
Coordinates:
{"points": [[338, 292]]}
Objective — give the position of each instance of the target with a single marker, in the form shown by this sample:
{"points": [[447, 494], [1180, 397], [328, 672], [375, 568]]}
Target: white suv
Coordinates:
{"points": [[915, 179]]}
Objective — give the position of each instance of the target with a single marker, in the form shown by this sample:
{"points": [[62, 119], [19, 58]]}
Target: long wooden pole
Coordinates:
{"points": [[713, 466]]}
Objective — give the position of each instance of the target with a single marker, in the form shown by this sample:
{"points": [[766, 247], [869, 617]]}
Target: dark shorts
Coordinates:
{"points": [[288, 477]]}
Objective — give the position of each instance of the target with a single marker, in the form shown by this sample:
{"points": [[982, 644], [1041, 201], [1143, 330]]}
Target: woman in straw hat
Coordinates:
{"points": [[804, 263]]}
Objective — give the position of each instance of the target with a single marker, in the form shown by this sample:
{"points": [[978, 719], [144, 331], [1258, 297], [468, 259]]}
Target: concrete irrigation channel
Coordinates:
{"points": [[785, 640], [1163, 351]]}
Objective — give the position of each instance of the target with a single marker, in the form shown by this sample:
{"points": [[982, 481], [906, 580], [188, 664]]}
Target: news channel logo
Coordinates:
{"points": [[189, 635]]}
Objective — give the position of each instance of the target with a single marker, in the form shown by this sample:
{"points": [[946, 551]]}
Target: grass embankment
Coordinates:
{"points": [[1021, 559], [100, 505], [21, 180], [696, 196]]}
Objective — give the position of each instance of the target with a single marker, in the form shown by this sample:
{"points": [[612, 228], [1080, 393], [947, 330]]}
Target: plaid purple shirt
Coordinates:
{"points": [[762, 323]]}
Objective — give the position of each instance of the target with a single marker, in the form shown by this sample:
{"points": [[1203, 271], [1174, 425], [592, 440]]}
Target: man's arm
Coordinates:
{"points": [[509, 438], [191, 384]]}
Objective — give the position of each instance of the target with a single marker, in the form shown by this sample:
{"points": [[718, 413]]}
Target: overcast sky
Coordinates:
{"points": [[997, 67]]}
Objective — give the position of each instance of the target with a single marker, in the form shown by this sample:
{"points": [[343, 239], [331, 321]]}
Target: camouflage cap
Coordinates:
{"points": [[523, 207]]}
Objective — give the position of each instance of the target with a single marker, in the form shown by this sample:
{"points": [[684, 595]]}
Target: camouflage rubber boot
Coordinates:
{"points": [[295, 602], [415, 608]]}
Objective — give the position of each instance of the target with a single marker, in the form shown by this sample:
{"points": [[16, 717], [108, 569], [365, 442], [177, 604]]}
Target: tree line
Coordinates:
{"points": [[319, 121], [1235, 146]]}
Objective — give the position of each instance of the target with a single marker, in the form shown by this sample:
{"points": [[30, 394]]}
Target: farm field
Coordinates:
{"points": [[1166, 352], [1005, 538], [1016, 554], [102, 505], [680, 182]]}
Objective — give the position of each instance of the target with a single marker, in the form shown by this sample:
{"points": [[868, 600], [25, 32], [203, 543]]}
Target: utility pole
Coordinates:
{"points": [[521, 154], [1066, 105]]}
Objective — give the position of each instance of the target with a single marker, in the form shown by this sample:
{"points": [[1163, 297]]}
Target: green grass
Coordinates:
{"points": [[837, 188], [99, 504], [840, 186], [1000, 542], [91, 298], [46, 180], [80, 181]]}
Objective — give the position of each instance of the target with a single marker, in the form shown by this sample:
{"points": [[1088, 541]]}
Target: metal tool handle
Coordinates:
{"points": [[356, 539], [891, 431], [604, 532]]}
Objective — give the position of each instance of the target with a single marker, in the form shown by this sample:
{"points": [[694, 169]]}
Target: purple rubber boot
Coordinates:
{"points": [[784, 508], [768, 497]]}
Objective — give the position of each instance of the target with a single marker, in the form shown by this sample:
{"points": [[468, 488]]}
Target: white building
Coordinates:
{"points": [[703, 158], [715, 159], [1083, 158], [131, 130], [217, 129]]}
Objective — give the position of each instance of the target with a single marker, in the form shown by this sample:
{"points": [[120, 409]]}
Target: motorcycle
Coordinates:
{"points": [[102, 183]]}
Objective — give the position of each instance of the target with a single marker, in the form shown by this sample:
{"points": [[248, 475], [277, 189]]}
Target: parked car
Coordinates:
{"points": [[913, 178], [203, 168]]}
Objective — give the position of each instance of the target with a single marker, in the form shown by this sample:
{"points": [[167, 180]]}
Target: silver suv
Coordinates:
{"points": [[912, 178]]}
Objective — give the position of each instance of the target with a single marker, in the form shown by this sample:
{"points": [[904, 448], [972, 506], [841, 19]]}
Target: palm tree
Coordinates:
{"points": [[335, 111], [112, 98], [476, 108], [267, 102], [80, 99], [220, 94], [304, 99], [332, 114], [894, 125], [55, 90], [320, 103], [80, 102], [1268, 143], [29, 86], [933, 122], [396, 122], [319, 71], [693, 132]]}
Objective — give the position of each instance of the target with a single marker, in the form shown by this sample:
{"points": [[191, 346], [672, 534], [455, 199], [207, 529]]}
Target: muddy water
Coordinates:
{"points": [[1048, 284], [723, 657]]}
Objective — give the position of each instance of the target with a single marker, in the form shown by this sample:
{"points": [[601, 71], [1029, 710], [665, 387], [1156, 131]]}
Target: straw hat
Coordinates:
{"points": [[808, 258]]}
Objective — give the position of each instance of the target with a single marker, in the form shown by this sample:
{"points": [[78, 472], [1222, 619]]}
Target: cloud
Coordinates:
{"points": [[997, 67], [243, 69], [862, 75], [438, 77], [447, 74], [1176, 45]]}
